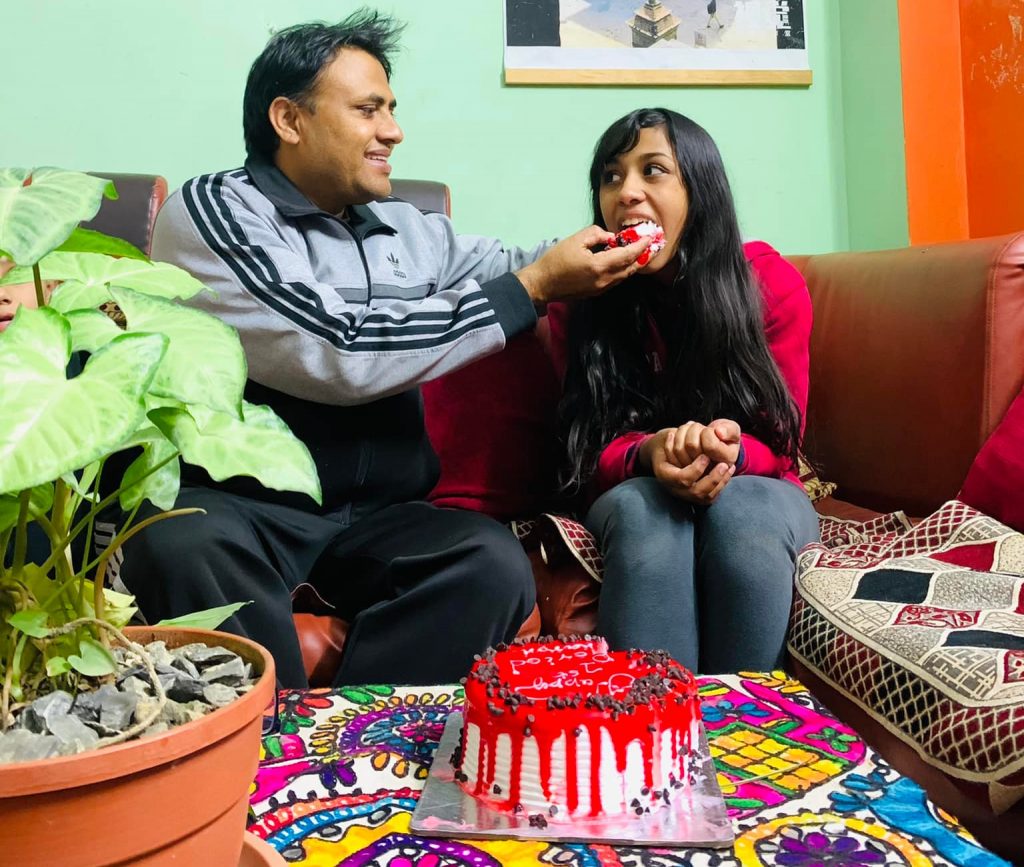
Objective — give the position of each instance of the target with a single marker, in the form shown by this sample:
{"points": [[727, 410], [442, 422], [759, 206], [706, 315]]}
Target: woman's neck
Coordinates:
{"points": [[667, 275]]}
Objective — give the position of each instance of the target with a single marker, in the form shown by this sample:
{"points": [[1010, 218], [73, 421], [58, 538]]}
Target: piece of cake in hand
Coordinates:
{"points": [[632, 234], [565, 729]]}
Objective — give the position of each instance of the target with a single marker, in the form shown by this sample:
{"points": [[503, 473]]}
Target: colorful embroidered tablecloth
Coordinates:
{"points": [[338, 782]]}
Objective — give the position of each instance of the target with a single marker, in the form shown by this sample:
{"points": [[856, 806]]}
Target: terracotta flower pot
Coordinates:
{"points": [[176, 798]]}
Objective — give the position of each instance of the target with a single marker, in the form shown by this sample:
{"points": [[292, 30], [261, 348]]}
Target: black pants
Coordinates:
{"points": [[423, 588]]}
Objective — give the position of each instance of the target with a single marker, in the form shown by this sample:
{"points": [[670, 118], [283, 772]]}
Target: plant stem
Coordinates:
{"points": [[38, 280], [90, 516], [17, 690], [5, 540], [21, 536], [92, 521], [63, 578], [5, 696], [118, 541]]}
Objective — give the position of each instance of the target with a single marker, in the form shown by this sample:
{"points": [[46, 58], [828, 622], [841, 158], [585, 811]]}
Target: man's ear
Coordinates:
{"points": [[284, 118]]}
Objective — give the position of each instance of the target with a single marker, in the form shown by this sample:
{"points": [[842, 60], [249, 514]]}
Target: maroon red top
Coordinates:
{"points": [[787, 326]]}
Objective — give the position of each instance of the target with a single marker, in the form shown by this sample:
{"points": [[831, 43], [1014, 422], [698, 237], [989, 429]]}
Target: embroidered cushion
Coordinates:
{"points": [[814, 486], [995, 482], [923, 626], [492, 424]]}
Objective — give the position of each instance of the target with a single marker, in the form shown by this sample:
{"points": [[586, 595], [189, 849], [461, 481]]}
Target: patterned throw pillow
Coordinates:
{"points": [[923, 627], [816, 488]]}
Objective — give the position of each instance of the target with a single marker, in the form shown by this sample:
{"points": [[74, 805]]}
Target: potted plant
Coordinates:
{"points": [[167, 381]]}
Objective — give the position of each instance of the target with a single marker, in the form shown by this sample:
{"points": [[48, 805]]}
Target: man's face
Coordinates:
{"points": [[346, 135]]}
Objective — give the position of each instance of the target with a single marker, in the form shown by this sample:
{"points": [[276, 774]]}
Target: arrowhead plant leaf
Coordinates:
{"points": [[205, 363], [39, 208], [91, 330], [226, 447], [89, 241], [141, 482], [31, 621], [86, 279], [92, 659], [56, 666], [211, 618], [53, 425], [40, 502]]}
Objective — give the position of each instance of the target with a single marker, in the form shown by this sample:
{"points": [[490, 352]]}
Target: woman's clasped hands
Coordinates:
{"points": [[694, 461]]}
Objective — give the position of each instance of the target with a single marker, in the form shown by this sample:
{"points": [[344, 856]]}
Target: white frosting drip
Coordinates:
{"points": [[618, 789]]}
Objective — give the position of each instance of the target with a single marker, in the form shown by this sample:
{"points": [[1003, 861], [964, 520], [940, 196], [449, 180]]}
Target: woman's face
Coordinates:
{"points": [[646, 184], [13, 296]]}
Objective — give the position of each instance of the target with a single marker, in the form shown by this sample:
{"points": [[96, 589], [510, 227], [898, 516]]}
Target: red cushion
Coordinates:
{"points": [[493, 425], [995, 482]]}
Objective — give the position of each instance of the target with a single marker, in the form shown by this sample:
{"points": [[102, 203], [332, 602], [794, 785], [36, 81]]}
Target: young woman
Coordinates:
{"points": [[684, 395]]}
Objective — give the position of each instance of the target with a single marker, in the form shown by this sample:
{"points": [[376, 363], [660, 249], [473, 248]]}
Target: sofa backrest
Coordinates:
{"points": [[132, 214], [425, 195], [915, 356]]}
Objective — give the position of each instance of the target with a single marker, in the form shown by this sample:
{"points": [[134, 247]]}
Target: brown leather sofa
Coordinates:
{"points": [[915, 356]]}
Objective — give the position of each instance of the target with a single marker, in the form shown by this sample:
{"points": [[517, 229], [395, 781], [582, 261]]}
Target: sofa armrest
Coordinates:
{"points": [[915, 356]]}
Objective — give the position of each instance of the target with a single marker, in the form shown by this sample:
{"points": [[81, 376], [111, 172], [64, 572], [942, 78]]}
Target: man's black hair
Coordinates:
{"points": [[293, 59]]}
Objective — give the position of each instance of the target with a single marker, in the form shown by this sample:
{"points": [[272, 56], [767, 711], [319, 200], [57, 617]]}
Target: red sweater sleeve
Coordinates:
{"points": [[787, 328]]}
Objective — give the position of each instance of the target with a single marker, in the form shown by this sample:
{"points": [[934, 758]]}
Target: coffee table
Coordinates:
{"points": [[338, 782]]}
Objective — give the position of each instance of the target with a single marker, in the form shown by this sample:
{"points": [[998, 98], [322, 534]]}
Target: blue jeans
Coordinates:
{"points": [[711, 585]]}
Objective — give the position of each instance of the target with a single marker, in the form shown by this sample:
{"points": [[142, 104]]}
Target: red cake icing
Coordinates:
{"points": [[569, 729], [632, 234]]}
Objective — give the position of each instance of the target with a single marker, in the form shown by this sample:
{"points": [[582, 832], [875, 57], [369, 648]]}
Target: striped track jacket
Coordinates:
{"points": [[341, 320]]}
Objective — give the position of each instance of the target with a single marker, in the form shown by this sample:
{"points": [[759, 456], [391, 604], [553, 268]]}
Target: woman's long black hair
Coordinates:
{"points": [[711, 319]]}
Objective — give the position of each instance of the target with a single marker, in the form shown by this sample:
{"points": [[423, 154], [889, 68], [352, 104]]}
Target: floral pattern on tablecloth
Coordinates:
{"points": [[339, 780]]}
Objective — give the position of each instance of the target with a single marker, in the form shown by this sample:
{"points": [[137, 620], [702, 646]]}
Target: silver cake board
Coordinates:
{"points": [[696, 815]]}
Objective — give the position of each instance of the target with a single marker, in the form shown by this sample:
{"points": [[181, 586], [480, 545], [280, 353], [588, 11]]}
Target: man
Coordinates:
{"points": [[345, 304]]}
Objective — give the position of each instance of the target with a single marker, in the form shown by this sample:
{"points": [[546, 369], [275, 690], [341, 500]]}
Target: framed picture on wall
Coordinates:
{"points": [[656, 42]]}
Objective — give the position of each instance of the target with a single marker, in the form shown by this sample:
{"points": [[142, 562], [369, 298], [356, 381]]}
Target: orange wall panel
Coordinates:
{"points": [[933, 118], [992, 47]]}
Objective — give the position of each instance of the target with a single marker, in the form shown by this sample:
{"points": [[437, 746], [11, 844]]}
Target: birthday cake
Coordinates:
{"points": [[565, 729]]}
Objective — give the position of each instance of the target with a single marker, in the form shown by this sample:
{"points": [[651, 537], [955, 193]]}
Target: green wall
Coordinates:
{"points": [[147, 86], [876, 176]]}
